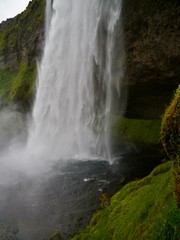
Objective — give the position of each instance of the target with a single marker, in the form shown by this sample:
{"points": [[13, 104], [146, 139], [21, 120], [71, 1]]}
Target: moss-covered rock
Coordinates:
{"points": [[22, 86], [21, 37], [21, 42], [170, 129], [139, 131], [142, 210], [6, 78]]}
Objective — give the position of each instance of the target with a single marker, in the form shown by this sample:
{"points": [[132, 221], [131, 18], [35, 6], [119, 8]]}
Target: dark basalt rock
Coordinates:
{"points": [[152, 55]]}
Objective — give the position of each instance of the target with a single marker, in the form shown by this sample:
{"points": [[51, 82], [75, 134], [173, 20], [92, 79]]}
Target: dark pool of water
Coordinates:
{"points": [[33, 209]]}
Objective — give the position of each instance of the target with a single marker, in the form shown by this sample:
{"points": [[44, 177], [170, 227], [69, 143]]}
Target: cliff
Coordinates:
{"points": [[21, 41], [147, 208], [153, 55], [152, 48], [21, 37]]}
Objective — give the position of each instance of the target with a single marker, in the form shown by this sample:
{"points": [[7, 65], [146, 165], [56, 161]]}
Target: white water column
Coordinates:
{"points": [[66, 121]]}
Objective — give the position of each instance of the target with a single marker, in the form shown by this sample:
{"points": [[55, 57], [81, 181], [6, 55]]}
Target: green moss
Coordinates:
{"points": [[19, 31], [18, 86], [22, 86], [19, 41], [137, 130], [9, 39], [170, 129], [6, 78], [142, 210]]}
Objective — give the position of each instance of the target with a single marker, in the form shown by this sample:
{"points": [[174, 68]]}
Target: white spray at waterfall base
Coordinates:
{"points": [[74, 93]]}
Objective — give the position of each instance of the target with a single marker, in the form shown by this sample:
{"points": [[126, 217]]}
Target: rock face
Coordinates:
{"points": [[152, 45], [21, 43], [21, 37], [153, 55]]}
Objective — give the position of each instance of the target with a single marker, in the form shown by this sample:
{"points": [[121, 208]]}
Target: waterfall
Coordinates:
{"points": [[74, 91]]}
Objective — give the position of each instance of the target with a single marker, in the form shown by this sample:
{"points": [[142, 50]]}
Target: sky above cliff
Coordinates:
{"points": [[10, 8]]}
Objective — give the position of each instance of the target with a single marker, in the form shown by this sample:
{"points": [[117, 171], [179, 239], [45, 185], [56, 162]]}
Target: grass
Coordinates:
{"points": [[137, 130], [142, 210]]}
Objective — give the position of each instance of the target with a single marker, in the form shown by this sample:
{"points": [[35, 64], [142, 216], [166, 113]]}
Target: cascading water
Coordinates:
{"points": [[74, 94]]}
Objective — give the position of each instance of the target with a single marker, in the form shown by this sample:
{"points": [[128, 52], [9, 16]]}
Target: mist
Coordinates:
{"points": [[24, 177]]}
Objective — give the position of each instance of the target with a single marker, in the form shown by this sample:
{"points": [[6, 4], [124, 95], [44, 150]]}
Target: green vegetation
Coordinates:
{"points": [[142, 210], [19, 39], [137, 130], [22, 86], [18, 33], [6, 78], [18, 86], [170, 129]]}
